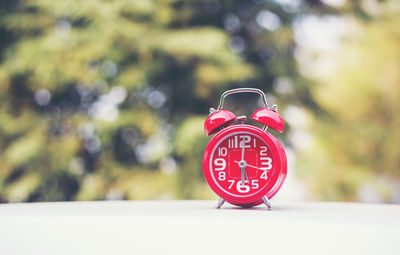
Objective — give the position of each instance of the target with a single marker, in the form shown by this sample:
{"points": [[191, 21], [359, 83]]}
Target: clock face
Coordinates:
{"points": [[242, 163]]}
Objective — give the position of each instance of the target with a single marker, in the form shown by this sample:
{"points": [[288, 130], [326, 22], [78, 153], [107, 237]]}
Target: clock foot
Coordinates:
{"points": [[267, 203], [220, 203]]}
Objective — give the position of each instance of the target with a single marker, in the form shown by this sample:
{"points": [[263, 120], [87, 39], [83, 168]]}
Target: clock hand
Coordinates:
{"points": [[243, 170], [243, 150], [242, 163], [253, 166]]}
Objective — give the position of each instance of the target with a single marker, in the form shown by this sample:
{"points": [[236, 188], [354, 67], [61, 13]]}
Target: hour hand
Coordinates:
{"points": [[252, 166]]}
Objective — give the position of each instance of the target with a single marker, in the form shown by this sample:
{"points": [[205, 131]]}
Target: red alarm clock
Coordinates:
{"points": [[244, 164]]}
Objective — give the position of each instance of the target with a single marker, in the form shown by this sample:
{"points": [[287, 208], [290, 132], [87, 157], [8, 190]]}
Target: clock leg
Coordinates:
{"points": [[267, 203], [220, 203]]}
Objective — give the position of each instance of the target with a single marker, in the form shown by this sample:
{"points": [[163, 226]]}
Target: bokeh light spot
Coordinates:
{"points": [[109, 69], [268, 20], [63, 28], [237, 44], [42, 97]]}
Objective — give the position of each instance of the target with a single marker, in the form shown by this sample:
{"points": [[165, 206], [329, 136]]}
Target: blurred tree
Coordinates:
{"points": [[106, 99], [355, 155]]}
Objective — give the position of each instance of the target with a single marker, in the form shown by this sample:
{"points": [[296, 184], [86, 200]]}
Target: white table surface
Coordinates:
{"points": [[195, 227]]}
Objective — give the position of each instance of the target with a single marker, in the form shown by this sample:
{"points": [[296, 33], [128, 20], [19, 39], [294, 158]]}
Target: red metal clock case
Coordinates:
{"points": [[218, 120], [278, 171]]}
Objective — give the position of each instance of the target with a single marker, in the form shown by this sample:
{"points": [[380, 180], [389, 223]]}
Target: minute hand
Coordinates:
{"points": [[243, 148]]}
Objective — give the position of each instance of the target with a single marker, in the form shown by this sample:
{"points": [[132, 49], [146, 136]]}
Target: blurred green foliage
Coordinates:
{"points": [[107, 99], [356, 155]]}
